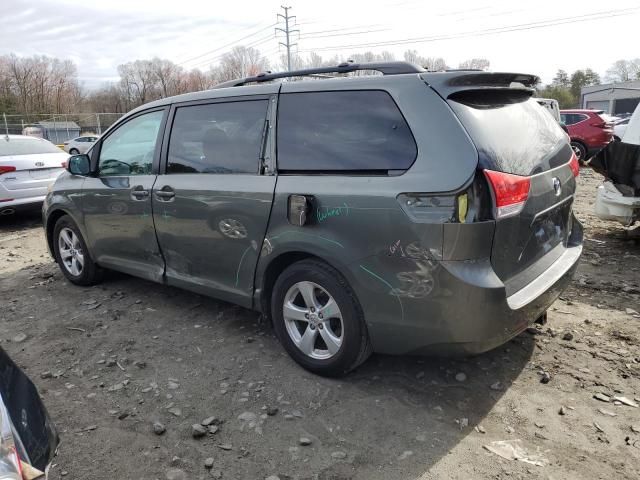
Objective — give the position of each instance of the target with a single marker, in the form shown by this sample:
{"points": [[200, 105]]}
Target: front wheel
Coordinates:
{"points": [[318, 319], [74, 151], [72, 255]]}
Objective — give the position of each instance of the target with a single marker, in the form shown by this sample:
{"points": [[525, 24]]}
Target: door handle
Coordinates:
{"points": [[139, 193], [166, 193]]}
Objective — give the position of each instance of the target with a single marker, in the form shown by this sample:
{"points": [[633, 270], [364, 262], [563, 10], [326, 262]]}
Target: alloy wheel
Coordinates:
{"points": [[313, 320], [71, 252]]}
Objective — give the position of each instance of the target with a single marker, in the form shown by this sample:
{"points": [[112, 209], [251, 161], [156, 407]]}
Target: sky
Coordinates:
{"points": [[533, 37]]}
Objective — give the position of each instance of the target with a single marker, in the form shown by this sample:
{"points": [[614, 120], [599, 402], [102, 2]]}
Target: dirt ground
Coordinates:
{"points": [[112, 360]]}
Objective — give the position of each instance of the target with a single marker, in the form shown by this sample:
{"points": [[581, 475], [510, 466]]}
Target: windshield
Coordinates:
{"points": [[26, 146]]}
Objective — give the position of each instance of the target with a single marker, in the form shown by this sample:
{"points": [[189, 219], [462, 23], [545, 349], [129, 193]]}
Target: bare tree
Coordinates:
{"points": [[169, 77], [620, 71], [475, 64], [240, 62], [434, 64]]}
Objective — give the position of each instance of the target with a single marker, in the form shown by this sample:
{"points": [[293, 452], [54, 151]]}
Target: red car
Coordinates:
{"points": [[588, 130]]}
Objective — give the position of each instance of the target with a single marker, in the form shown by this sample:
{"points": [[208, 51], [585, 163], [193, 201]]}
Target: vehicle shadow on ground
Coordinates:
{"points": [[24, 219], [394, 417]]}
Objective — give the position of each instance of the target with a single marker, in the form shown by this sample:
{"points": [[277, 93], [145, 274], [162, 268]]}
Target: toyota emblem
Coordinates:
{"points": [[557, 186]]}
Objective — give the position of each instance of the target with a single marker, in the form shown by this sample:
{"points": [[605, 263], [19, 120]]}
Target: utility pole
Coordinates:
{"points": [[287, 31]]}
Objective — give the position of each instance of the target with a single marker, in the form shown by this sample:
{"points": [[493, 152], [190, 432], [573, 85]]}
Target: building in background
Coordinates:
{"points": [[613, 98], [59, 132]]}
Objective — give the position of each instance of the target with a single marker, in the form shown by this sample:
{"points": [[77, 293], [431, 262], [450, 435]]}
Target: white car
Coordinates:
{"points": [[551, 105], [28, 165], [80, 144], [619, 128], [617, 201]]}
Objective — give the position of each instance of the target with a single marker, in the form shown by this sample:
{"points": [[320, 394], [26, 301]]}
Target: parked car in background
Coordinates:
{"points": [[28, 166], [408, 212], [28, 439], [618, 198], [588, 130], [620, 128], [552, 106], [80, 144]]}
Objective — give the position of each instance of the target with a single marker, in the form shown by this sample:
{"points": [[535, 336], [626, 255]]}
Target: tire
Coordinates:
{"points": [[74, 151], [72, 254], [348, 342], [580, 150]]}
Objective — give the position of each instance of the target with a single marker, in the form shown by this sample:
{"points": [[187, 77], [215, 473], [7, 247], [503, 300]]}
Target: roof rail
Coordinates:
{"points": [[386, 68]]}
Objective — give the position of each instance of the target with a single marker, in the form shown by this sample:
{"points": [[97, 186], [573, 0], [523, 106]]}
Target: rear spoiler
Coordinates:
{"points": [[450, 83]]}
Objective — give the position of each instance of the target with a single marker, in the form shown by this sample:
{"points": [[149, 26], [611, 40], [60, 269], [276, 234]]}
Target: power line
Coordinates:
{"points": [[218, 57], [491, 31], [287, 31], [228, 44], [309, 35]]}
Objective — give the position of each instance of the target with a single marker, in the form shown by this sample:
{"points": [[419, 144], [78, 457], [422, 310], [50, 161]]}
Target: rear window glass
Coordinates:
{"points": [[26, 146], [343, 131], [515, 137], [217, 138]]}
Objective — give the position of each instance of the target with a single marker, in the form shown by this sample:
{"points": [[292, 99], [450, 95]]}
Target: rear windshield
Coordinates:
{"points": [[26, 146], [512, 134]]}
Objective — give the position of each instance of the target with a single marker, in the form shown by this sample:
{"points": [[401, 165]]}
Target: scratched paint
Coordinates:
{"points": [[418, 283], [324, 213], [240, 264], [296, 232], [391, 289]]}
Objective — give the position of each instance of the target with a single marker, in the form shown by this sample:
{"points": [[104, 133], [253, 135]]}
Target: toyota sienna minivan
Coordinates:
{"points": [[406, 212]]}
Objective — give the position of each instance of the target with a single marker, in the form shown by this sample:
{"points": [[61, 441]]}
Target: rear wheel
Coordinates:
{"points": [[318, 319], [580, 150], [72, 255], [74, 151]]}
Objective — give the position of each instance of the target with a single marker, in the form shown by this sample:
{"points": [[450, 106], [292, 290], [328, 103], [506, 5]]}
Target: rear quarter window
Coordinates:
{"points": [[343, 131]]}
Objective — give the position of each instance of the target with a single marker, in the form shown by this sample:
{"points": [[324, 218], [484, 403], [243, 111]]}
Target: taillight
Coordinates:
{"points": [[6, 169], [510, 192], [574, 165]]}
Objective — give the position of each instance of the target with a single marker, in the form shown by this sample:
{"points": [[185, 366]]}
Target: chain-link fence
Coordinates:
{"points": [[57, 128]]}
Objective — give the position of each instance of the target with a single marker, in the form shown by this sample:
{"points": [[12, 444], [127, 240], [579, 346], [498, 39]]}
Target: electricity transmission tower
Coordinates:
{"points": [[287, 31]]}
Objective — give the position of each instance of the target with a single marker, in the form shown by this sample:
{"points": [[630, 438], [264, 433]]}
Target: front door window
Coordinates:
{"points": [[130, 149]]}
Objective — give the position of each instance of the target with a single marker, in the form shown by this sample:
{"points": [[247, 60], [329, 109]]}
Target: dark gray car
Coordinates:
{"points": [[408, 212]]}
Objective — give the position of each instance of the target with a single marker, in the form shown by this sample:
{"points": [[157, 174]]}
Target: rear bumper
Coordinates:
{"points": [[612, 205], [22, 203], [462, 307]]}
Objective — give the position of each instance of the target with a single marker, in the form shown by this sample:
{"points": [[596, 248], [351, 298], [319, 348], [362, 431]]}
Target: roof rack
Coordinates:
{"points": [[386, 68]]}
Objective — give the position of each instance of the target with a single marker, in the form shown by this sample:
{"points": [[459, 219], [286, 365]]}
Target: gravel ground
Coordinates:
{"points": [[128, 368]]}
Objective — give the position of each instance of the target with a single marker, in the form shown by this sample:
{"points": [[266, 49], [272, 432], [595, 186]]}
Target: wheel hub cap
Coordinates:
{"points": [[70, 251], [313, 320]]}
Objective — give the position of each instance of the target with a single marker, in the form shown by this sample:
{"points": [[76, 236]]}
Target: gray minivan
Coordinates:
{"points": [[405, 213]]}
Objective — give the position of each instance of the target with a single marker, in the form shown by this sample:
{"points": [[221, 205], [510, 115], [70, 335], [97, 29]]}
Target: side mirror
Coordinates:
{"points": [[79, 165]]}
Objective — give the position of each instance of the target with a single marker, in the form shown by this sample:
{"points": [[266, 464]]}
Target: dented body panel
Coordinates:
{"points": [[432, 270]]}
